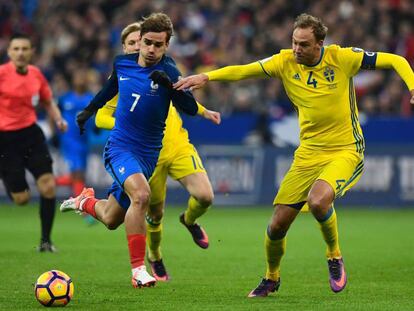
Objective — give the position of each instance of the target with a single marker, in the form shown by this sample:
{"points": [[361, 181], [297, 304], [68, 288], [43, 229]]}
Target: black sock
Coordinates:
{"points": [[7, 190], [47, 214]]}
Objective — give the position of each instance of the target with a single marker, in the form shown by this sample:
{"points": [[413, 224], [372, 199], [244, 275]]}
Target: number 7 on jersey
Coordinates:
{"points": [[137, 96]]}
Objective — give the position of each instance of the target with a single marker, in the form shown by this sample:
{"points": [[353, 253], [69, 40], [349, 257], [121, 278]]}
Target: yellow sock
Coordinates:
{"points": [[274, 251], [194, 211], [329, 229], [154, 235]]}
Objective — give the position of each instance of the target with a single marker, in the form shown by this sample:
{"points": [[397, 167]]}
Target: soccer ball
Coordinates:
{"points": [[54, 288]]}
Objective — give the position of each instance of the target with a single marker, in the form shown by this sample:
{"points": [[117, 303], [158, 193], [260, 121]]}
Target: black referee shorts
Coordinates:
{"points": [[23, 149]]}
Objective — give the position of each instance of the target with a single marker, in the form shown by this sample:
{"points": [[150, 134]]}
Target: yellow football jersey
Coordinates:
{"points": [[104, 116], [174, 135], [323, 95]]}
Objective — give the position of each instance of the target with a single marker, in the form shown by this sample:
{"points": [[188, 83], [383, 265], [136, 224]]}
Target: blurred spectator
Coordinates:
{"points": [[213, 33], [391, 97]]}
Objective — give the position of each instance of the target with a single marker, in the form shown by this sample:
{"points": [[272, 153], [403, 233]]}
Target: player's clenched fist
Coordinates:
{"points": [[81, 119]]}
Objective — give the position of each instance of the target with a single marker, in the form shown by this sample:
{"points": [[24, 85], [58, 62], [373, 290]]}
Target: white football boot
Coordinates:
{"points": [[74, 204], [141, 278]]}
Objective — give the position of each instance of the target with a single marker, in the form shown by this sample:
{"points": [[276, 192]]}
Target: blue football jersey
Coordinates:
{"points": [[142, 105]]}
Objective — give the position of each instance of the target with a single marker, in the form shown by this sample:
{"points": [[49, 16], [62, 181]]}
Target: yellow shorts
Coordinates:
{"points": [[183, 161], [340, 169]]}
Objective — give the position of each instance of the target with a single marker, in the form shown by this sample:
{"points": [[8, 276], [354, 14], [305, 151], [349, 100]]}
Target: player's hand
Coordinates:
{"points": [[81, 119], [213, 116], [62, 125], [191, 82], [161, 78]]}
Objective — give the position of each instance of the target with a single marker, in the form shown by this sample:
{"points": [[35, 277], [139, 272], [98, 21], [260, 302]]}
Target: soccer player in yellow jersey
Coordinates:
{"points": [[329, 159], [178, 158]]}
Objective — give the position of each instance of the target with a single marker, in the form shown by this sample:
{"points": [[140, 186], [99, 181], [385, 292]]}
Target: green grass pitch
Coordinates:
{"points": [[377, 247]]}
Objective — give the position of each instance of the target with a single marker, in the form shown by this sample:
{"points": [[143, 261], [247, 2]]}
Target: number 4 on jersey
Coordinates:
{"points": [[312, 80]]}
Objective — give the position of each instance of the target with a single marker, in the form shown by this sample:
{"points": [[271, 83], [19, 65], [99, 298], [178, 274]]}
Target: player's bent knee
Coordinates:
{"points": [[46, 186], [279, 225], [48, 192], [319, 207], [278, 229], [113, 225], [21, 198], [205, 198], [155, 216], [141, 198], [111, 222], [315, 202]]}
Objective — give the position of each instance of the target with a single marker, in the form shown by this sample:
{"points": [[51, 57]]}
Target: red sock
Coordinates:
{"points": [[88, 206], [136, 245], [63, 180], [77, 187]]}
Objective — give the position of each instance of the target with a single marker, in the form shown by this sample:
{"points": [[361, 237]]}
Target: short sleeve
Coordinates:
{"points": [[45, 93], [271, 65], [350, 60]]}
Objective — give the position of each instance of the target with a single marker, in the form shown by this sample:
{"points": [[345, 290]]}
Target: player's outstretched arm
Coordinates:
{"points": [[191, 82], [229, 73], [401, 66]]}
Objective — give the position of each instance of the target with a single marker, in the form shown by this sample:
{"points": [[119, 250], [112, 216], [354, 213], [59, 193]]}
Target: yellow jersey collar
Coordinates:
{"points": [[319, 60]]}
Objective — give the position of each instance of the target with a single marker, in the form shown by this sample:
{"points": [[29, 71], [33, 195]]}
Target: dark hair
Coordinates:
{"points": [[129, 29], [19, 35], [157, 22], [308, 21]]}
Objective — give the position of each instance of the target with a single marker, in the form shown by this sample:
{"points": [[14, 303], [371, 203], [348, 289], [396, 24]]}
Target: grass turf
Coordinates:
{"points": [[377, 247]]}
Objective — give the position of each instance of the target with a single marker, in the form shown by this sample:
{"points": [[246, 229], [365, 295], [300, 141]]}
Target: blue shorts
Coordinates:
{"points": [[121, 162], [119, 195]]}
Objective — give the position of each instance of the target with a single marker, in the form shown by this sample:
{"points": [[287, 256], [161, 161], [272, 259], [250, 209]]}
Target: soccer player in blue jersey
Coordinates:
{"points": [[73, 146], [176, 159], [143, 81]]}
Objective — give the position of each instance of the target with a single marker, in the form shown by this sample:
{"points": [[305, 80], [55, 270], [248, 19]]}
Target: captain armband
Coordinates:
{"points": [[369, 60]]}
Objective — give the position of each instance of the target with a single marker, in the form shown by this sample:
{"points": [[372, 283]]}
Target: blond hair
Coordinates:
{"points": [[129, 29]]}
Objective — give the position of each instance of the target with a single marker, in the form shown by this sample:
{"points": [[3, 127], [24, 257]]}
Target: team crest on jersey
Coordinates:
{"points": [[296, 76], [122, 170], [154, 86], [329, 74]]}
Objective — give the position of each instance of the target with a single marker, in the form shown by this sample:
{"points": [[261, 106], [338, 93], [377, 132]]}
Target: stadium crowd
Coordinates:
{"points": [[70, 35]]}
